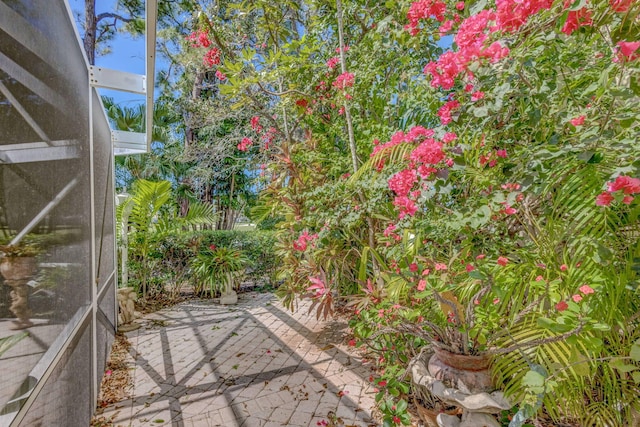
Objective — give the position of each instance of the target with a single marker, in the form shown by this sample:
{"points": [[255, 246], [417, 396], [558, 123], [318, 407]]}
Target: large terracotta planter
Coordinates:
{"points": [[465, 372]]}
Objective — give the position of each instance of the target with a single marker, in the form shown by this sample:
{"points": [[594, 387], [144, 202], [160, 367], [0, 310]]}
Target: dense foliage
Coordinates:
{"points": [[463, 174]]}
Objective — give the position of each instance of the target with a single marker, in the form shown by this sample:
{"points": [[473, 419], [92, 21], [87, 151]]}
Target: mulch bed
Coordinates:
{"points": [[116, 382]]}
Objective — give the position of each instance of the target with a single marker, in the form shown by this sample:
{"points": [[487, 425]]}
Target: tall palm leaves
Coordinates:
{"points": [[152, 213]]}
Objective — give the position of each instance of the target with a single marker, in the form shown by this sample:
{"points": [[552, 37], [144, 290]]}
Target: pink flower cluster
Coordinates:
{"points": [[428, 153], [344, 81], [626, 184], [245, 144], [199, 39], [212, 57], [303, 240], [424, 9], [331, 63], [584, 290]]}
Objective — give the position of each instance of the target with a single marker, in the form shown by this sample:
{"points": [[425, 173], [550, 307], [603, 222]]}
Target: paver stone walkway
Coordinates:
{"points": [[252, 364]]}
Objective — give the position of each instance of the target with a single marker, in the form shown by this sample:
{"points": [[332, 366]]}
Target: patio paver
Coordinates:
{"points": [[252, 364]]}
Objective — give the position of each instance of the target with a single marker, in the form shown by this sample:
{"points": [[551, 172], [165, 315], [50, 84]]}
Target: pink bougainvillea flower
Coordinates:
{"points": [[496, 301], [245, 144], [413, 267], [508, 210], [627, 184], [627, 200], [562, 306], [220, 75], [563, 267], [460, 5], [501, 153], [344, 81], [440, 266], [539, 279], [502, 261], [620, 6], [627, 49], [401, 182], [212, 57], [445, 111], [578, 121], [477, 96], [586, 289], [449, 137], [331, 63], [604, 199], [422, 285], [576, 298], [481, 256], [469, 268], [576, 19]]}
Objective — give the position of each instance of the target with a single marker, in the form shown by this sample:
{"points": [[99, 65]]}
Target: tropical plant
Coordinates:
{"points": [[217, 268], [151, 212]]}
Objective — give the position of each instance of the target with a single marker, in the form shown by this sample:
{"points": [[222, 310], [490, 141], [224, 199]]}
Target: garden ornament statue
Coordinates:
{"points": [[18, 265]]}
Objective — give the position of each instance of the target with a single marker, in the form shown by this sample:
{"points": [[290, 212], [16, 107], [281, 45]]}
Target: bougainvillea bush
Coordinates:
{"points": [[466, 175]]}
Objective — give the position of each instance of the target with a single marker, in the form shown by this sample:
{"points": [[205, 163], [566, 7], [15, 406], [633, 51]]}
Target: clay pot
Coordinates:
{"points": [[462, 371], [18, 268]]}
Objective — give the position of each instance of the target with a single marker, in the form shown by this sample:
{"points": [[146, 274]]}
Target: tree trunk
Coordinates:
{"points": [[347, 111], [229, 216], [196, 90], [91, 25]]}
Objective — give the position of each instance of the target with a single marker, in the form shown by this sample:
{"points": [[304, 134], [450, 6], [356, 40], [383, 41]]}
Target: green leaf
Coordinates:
{"points": [[635, 351], [636, 377], [480, 112], [621, 366], [533, 379]]}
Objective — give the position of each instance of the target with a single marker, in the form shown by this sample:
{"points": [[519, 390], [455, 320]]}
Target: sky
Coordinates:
{"points": [[127, 53]]}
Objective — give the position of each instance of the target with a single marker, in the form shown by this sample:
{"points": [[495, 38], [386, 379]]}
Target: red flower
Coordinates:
{"points": [[212, 247], [396, 419], [344, 81], [470, 268], [352, 343], [627, 184], [220, 75], [604, 199], [563, 267], [502, 261], [245, 144], [477, 96], [586, 289], [578, 121], [620, 6], [460, 5], [562, 306], [577, 19], [627, 49], [627, 200]]}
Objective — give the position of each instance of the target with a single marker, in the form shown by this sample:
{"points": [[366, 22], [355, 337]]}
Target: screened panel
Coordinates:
{"points": [[47, 344]]}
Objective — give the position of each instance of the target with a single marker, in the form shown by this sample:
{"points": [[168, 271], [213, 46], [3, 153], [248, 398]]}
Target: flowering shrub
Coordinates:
{"points": [[497, 207]]}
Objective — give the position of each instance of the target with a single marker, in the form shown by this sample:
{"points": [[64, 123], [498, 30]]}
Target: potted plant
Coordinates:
{"points": [[217, 269], [464, 311], [17, 266]]}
